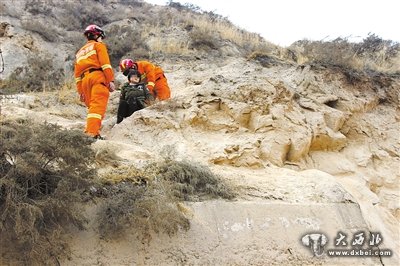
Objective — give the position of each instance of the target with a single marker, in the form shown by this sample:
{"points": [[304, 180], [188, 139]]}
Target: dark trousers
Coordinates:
{"points": [[126, 109]]}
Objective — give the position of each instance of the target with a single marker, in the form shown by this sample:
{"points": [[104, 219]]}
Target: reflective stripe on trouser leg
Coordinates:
{"points": [[97, 108]]}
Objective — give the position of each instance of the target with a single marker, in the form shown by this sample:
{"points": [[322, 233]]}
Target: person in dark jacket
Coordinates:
{"points": [[134, 96], [153, 75]]}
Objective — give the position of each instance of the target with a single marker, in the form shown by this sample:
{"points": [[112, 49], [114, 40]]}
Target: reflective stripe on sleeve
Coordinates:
{"points": [[78, 79], [105, 66], [150, 84], [97, 116]]}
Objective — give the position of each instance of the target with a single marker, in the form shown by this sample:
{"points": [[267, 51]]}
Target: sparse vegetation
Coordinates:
{"points": [[144, 208], [67, 94], [148, 199], [197, 31], [191, 181], [373, 54], [125, 40], [78, 14], [141, 34], [47, 31], [265, 59], [43, 173], [37, 75], [46, 173], [38, 7]]}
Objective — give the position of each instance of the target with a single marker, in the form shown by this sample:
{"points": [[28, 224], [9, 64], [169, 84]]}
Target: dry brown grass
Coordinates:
{"points": [[67, 94], [226, 31], [139, 30], [373, 54], [167, 45], [127, 173], [191, 30]]}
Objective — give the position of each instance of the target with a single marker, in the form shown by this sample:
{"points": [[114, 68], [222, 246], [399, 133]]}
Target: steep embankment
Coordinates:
{"points": [[306, 150]]}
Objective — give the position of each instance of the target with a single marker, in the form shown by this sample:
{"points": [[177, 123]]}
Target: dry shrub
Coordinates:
{"points": [[78, 14], [204, 39], [37, 7], [148, 200], [209, 31], [106, 156], [138, 199], [182, 7], [192, 181], [127, 173], [43, 173], [37, 75], [265, 59], [374, 44], [124, 40], [378, 54], [338, 52], [143, 208], [44, 29], [175, 41], [221, 29], [373, 54]]}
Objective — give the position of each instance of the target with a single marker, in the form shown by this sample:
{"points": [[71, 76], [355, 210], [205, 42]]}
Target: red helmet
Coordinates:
{"points": [[94, 30], [125, 65]]}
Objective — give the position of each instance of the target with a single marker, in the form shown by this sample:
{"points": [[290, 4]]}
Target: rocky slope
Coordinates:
{"points": [[307, 151]]}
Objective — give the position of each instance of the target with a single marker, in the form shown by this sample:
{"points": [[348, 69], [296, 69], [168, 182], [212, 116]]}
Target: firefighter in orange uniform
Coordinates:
{"points": [[153, 75], [94, 78]]}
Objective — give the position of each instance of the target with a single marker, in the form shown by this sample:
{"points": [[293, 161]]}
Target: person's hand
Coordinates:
{"points": [[111, 86], [149, 102], [82, 97], [152, 91]]}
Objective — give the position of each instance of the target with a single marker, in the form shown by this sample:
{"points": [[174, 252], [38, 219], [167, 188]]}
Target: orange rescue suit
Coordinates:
{"points": [[155, 78], [93, 74]]}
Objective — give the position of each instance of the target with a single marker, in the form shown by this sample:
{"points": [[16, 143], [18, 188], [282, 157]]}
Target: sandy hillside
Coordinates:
{"points": [[307, 137], [306, 152]]}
